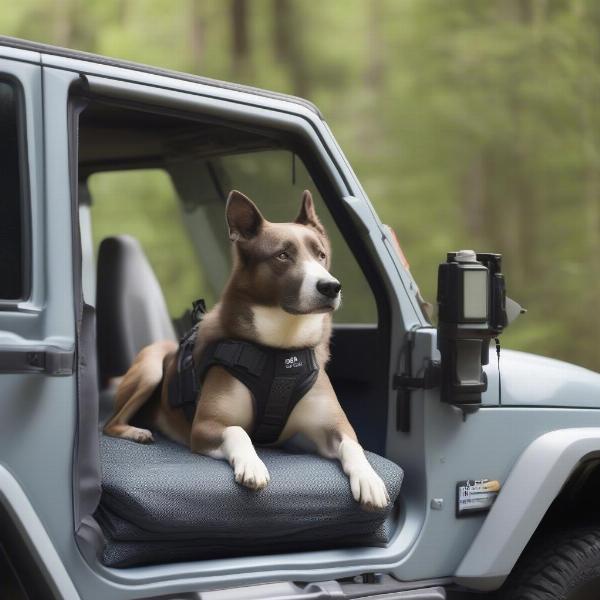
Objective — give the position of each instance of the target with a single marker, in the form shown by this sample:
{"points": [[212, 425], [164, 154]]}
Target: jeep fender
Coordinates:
{"points": [[534, 482], [31, 530]]}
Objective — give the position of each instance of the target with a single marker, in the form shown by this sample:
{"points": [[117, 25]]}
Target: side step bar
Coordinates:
{"points": [[388, 589]]}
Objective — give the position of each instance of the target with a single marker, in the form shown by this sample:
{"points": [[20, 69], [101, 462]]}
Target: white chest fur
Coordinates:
{"points": [[275, 327]]}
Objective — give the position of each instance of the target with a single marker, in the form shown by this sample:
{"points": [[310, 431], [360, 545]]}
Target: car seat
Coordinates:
{"points": [[130, 306]]}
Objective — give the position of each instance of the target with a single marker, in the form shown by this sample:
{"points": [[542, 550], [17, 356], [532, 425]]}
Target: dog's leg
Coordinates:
{"points": [[340, 443], [135, 389], [234, 445], [367, 487], [118, 424], [320, 418], [238, 450], [223, 417]]}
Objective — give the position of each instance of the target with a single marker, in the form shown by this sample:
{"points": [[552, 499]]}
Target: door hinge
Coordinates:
{"points": [[430, 379], [47, 360]]}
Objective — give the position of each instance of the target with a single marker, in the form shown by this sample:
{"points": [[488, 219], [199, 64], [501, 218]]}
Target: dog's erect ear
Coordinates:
{"points": [[307, 214], [243, 218]]}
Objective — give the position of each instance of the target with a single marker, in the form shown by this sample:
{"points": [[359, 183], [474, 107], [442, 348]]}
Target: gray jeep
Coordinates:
{"points": [[500, 455]]}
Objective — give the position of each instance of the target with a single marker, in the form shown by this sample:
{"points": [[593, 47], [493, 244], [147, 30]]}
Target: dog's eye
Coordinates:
{"points": [[283, 256], [322, 256]]}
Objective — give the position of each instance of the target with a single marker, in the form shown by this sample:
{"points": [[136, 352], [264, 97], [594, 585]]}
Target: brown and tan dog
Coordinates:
{"points": [[280, 294]]}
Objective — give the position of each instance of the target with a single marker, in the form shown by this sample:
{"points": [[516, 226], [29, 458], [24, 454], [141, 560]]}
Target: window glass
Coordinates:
{"points": [[11, 259], [185, 237], [142, 203]]}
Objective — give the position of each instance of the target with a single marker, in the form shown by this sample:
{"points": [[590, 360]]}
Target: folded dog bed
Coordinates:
{"points": [[162, 503]]}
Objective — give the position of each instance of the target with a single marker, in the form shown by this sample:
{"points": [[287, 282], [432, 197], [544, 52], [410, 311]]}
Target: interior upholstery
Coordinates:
{"points": [[110, 133], [131, 309], [162, 503]]}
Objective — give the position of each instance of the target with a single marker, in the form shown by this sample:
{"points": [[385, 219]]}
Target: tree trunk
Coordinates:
{"points": [[375, 55], [474, 197], [240, 47], [196, 33], [63, 23], [590, 123], [287, 42]]}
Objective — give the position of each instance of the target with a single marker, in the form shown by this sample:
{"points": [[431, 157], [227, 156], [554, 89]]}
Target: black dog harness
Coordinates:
{"points": [[277, 379]]}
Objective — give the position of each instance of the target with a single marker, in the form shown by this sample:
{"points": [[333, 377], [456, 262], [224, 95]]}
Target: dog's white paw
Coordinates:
{"points": [[368, 489], [251, 472], [139, 435]]}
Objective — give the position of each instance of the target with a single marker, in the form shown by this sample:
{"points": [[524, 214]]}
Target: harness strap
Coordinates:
{"points": [[237, 354], [183, 387], [276, 410], [295, 373], [276, 378]]}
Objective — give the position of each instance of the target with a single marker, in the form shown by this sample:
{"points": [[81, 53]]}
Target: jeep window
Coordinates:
{"points": [[165, 182], [142, 203], [12, 278]]}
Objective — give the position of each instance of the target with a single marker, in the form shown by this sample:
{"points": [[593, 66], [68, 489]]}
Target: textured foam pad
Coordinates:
{"points": [[161, 502]]}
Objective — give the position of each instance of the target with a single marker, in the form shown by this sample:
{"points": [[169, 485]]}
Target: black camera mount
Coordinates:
{"points": [[471, 312]]}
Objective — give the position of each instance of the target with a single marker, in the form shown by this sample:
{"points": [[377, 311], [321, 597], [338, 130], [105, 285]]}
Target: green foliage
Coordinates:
{"points": [[143, 204], [470, 124]]}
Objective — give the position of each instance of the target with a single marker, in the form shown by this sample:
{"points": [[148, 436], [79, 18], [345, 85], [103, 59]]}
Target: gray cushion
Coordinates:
{"points": [[161, 502]]}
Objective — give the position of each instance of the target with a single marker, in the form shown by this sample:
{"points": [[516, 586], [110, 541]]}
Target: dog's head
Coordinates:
{"points": [[282, 264]]}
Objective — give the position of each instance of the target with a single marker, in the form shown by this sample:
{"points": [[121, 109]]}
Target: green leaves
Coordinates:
{"points": [[470, 124]]}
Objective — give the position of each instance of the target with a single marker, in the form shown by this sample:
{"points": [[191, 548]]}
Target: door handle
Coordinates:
{"points": [[46, 360]]}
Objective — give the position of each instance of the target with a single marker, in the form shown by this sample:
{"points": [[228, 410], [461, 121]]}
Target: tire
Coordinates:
{"points": [[563, 565]]}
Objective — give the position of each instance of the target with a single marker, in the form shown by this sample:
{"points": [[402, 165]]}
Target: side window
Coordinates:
{"points": [[13, 282], [165, 180], [143, 204], [186, 242]]}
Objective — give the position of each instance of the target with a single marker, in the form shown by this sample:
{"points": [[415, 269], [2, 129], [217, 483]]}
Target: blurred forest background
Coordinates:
{"points": [[469, 123]]}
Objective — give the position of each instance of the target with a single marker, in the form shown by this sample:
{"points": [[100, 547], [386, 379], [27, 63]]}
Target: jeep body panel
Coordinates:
{"points": [[32, 531], [36, 409], [27, 50], [533, 483], [448, 449], [532, 380]]}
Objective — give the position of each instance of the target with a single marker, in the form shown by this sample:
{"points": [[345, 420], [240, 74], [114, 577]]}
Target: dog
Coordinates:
{"points": [[280, 294]]}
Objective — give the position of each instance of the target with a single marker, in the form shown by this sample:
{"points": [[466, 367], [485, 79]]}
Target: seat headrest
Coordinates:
{"points": [[131, 309]]}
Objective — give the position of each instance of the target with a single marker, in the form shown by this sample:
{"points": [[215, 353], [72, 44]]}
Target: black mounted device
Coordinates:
{"points": [[472, 310]]}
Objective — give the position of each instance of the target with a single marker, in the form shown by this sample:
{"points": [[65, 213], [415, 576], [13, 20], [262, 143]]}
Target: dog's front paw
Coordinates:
{"points": [[251, 472], [368, 489]]}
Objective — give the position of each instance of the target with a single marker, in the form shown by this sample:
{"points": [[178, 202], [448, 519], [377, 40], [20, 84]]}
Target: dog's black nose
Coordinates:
{"points": [[329, 288]]}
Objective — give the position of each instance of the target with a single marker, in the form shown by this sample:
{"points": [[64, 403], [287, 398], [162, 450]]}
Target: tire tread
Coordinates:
{"points": [[549, 567]]}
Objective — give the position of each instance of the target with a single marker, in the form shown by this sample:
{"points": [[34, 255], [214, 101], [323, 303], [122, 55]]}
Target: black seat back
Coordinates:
{"points": [[131, 309]]}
